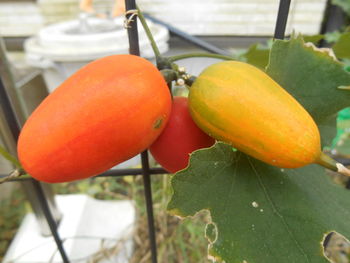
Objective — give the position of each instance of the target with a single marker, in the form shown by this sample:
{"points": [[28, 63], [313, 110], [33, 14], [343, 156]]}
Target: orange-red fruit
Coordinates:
{"points": [[104, 114], [180, 137]]}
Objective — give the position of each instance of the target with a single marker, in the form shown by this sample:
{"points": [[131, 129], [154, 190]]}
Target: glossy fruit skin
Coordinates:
{"points": [[104, 114], [179, 139], [239, 104]]}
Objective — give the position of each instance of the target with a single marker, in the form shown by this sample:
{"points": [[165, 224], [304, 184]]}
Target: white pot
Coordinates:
{"points": [[61, 49]]}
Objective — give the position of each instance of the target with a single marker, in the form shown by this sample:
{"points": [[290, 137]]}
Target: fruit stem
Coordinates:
{"points": [[206, 55], [169, 75], [329, 163], [189, 81], [148, 33]]}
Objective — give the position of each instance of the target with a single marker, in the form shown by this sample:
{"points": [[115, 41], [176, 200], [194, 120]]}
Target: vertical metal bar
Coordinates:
{"points": [[149, 205], [9, 115], [282, 18], [135, 50], [50, 220], [11, 118], [133, 35]]}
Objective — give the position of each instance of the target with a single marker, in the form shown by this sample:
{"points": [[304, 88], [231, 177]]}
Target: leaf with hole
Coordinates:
{"points": [[265, 214]]}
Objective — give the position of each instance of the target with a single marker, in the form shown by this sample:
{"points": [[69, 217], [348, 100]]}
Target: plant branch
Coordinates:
{"points": [[206, 55], [148, 33], [13, 175]]}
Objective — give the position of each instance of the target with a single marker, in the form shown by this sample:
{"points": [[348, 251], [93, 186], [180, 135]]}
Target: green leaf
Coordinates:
{"points": [[265, 214], [261, 213], [332, 37], [313, 38], [347, 64], [257, 55], [6, 155], [342, 47]]}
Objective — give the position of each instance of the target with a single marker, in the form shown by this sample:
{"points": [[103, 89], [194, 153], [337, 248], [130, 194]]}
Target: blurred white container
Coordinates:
{"points": [[54, 11], [61, 49]]}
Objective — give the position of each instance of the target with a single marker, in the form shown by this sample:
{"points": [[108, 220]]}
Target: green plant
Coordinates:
{"points": [[261, 213], [257, 212]]}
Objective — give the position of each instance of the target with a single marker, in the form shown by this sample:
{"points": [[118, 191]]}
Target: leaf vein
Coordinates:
{"points": [[275, 210]]}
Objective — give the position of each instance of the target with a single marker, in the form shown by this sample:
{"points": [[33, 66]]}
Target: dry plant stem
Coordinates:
{"points": [[13, 175], [128, 20], [342, 169], [329, 163]]}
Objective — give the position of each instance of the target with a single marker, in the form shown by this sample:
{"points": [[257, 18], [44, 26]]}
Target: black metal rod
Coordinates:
{"points": [[282, 18], [149, 205], [109, 173], [50, 220], [10, 116], [123, 172], [135, 50], [133, 35], [189, 38], [14, 125]]}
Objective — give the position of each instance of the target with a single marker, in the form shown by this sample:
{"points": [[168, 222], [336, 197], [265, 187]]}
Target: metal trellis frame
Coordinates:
{"points": [[145, 171]]}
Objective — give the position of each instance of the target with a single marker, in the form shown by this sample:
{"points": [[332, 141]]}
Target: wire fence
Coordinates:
{"points": [[332, 20]]}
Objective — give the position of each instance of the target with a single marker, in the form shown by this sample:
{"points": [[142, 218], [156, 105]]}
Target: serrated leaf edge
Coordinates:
{"points": [[323, 52]]}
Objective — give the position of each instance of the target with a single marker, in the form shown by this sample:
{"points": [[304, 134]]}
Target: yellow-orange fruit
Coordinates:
{"points": [[239, 104]]}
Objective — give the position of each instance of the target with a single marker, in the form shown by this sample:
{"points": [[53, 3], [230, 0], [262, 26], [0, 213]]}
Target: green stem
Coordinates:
{"points": [[329, 163], [10, 157], [169, 75], [190, 80], [206, 55], [148, 33]]}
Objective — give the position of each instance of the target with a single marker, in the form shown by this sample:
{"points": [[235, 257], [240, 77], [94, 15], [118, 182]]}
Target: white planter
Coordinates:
{"points": [[60, 51]]}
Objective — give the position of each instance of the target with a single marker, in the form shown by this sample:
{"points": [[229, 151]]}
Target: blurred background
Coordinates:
{"points": [[45, 41]]}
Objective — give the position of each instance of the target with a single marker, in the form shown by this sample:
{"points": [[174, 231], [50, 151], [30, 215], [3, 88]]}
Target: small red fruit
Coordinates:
{"points": [[180, 137]]}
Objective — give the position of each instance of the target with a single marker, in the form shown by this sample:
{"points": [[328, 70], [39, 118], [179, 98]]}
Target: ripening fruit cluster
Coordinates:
{"points": [[106, 113], [118, 106]]}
